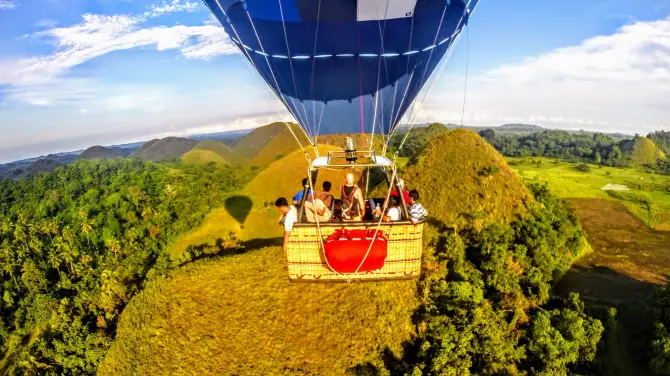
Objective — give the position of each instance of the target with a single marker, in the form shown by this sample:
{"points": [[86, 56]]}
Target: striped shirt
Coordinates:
{"points": [[417, 212]]}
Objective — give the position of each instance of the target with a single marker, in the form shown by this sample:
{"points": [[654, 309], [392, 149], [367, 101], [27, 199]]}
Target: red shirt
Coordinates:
{"points": [[405, 195]]}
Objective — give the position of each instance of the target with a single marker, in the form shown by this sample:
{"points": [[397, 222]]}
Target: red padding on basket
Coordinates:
{"points": [[345, 250]]}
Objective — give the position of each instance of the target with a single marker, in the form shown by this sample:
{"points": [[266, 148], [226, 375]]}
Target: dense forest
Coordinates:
{"points": [[661, 139], [594, 148], [78, 243], [597, 148], [487, 303]]}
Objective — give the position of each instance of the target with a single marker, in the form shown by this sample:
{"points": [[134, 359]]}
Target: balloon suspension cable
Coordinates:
{"points": [[454, 41], [290, 60], [416, 108], [467, 64], [382, 30], [296, 137], [250, 64], [311, 83], [296, 115]]}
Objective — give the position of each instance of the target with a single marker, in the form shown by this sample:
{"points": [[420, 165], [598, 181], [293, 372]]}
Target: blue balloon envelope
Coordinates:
{"points": [[344, 66]]}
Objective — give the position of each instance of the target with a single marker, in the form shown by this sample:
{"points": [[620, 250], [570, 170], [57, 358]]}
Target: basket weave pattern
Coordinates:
{"points": [[306, 261]]}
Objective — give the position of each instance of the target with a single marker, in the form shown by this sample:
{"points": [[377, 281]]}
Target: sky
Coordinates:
{"points": [[77, 73]]}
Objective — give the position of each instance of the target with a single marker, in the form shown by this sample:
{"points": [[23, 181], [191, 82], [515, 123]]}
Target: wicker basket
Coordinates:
{"points": [[306, 261]]}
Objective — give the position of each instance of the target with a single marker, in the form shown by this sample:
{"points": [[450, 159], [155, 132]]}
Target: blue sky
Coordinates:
{"points": [[76, 73]]}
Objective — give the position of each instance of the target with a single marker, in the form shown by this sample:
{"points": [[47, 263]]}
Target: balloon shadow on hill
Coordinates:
{"points": [[239, 207]]}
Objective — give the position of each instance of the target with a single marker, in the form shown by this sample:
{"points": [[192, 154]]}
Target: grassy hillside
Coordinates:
{"points": [[252, 143], [222, 149], [272, 142], [283, 177], [240, 315], [208, 151], [462, 179], [164, 149], [280, 145]]}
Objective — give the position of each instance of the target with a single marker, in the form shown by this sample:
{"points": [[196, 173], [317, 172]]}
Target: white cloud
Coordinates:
{"points": [[607, 83], [171, 7], [8, 4], [99, 35]]}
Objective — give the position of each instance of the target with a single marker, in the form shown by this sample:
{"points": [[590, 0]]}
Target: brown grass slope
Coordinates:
{"points": [[642, 151], [463, 179], [283, 177], [207, 151], [274, 141], [284, 144], [252, 143], [281, 145], [240, 316], [164, 149]]}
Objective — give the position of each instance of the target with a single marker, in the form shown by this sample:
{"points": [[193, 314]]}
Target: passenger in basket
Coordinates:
{"points": [[417, 213], [337, 211], [297, 199], [289, 216], [317, 210], [352, 199], [325, 195], [405, 193], [393, 211]]}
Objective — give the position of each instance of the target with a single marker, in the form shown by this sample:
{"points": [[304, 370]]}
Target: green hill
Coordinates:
{"points": [[212, 151], [463, 179], [240, 316], [100, 152], [164, 149], [641, 151]]}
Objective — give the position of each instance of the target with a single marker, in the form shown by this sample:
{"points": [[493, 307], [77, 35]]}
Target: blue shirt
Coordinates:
{"points": [[298, 196]]}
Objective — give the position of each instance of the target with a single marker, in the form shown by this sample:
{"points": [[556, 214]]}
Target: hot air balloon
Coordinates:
{"points": [[343, 67]]}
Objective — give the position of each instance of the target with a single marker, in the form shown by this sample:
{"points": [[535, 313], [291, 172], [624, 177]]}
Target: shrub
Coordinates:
{"points": [[583, 167]]}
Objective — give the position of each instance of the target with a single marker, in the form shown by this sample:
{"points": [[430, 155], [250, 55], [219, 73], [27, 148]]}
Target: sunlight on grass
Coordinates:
{"points": [[241, 315]]}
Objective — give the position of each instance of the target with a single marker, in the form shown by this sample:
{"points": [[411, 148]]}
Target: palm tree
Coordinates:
{"points": [[53, 257]]}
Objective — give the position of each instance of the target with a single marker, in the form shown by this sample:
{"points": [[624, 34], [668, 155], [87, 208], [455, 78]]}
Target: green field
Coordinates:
{"points": [[566, 181]]}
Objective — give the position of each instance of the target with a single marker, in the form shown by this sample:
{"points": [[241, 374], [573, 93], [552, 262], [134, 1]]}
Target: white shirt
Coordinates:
{"points": [[417, 212], [290, 218], [394, 213]]}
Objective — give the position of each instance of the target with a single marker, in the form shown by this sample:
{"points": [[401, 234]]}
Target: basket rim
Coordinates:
{"points": [[356, 224]]}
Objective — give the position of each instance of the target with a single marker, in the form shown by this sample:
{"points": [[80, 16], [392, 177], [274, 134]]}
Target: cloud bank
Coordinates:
{"points": [[8, 4], [617, 82], [98, 35]]}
